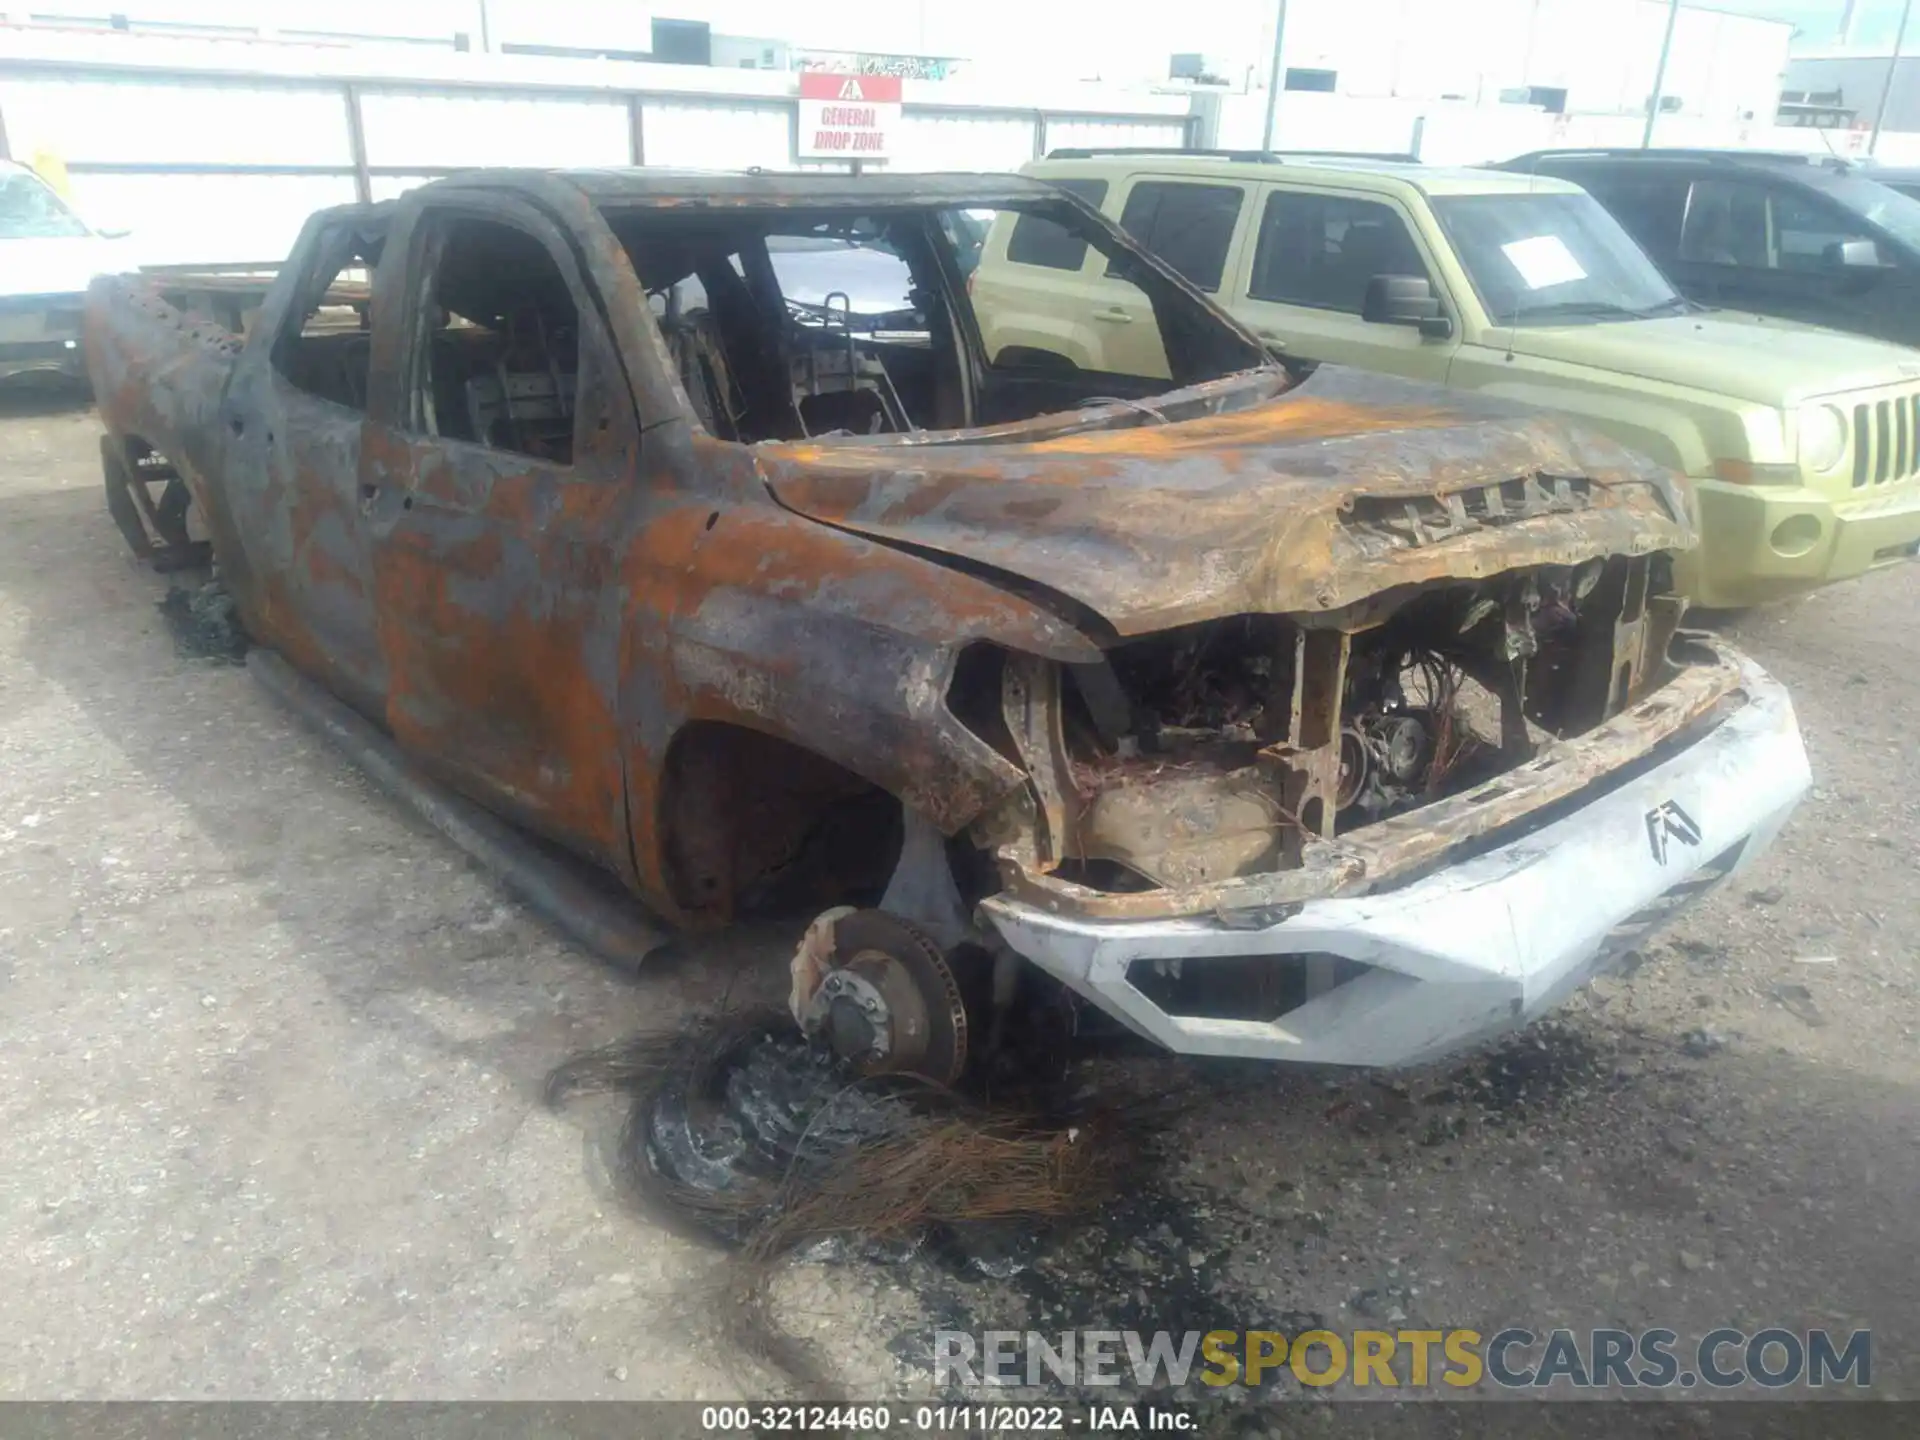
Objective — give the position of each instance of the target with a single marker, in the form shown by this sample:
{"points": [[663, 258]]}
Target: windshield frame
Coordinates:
{"points": [[1659, 298], [21, 178]]}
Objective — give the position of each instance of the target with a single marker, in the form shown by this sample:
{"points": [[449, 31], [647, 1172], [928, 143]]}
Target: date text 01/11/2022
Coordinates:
{"points": [[946, 1419]]}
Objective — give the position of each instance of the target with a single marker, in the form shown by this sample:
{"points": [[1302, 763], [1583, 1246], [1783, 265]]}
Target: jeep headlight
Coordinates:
{"points": [[1823, 438]]}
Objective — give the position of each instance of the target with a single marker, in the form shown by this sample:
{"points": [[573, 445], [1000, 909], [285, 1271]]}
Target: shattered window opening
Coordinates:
{"points": [[785, 323], [499, 354], [325, 346]]}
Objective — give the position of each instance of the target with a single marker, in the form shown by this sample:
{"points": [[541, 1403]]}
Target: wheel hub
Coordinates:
{"points": [[887, 1003]]}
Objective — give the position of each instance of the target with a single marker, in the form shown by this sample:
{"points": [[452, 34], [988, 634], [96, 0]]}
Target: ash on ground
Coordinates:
{"points": [[741, 1130], [1071, 1205], [205, 623]]}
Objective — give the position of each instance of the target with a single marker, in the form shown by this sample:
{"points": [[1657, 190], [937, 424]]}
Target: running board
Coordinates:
{"points": [[610, 925]]}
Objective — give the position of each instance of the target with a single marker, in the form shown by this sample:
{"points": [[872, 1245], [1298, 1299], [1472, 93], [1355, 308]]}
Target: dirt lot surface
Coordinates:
{"points": [[271, 1054]]}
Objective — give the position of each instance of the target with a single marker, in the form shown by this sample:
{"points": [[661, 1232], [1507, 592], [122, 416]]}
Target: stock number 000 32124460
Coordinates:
{"points": [[871, 1419]]}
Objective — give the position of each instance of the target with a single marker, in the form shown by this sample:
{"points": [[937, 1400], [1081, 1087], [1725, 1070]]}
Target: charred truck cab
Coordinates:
{"points": [[703, 526]]}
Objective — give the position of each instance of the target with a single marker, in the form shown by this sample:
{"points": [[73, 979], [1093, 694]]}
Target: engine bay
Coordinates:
{"points": [[1221, 750]]}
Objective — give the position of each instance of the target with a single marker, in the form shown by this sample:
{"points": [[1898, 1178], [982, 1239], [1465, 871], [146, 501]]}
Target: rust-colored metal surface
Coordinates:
{"points": [[1341, 488], [720, 669]]}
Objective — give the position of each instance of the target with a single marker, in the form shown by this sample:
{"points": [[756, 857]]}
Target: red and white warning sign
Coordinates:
{"points": [[848, 117]]}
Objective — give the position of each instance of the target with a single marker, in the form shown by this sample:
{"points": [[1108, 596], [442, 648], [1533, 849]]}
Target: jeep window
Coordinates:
{"points": [[1808, 231], [1650, 206], [1761, 226], [1552, 259], [1321, 250], [787, 322], [1876, 206], [1036, 240], [1188, 226], [1726, 224], [29, 210]]}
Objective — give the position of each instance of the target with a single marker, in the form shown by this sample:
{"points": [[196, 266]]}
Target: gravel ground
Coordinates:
{"points": [[270, 1059]]}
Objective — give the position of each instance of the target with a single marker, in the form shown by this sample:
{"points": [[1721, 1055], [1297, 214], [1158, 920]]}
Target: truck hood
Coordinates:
{"points": [[1345, 486], [1754, 358]]}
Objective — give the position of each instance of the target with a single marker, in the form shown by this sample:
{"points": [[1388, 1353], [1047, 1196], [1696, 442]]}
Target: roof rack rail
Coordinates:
{"points": [[1246, 157], [1678, 152]]}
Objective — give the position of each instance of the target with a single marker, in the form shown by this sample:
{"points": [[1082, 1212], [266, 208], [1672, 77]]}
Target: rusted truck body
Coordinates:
{"points": [[1326, 718]]}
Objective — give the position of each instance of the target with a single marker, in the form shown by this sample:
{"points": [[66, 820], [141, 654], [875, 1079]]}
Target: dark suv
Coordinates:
{"points": [[1810, 239], [1904, 178]]}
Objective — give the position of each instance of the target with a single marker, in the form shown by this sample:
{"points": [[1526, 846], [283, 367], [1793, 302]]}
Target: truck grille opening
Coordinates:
{"points": [[1257, 988], [1886, 440]]}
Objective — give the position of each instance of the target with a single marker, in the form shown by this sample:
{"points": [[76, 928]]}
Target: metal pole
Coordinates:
{"points": [[357, 144], [1276, 76], [636, 130], [1660, 75], [1893, 68]]}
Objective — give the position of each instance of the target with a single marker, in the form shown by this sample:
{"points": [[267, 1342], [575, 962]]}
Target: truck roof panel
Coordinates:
{"points": [[636, 186]]}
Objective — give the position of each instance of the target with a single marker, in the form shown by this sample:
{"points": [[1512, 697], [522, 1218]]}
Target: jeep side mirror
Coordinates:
{"points": [[1853, 255], [1405, 300]]}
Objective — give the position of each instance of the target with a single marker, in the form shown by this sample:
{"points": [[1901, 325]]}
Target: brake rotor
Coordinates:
{"points": [[886, 1001]]}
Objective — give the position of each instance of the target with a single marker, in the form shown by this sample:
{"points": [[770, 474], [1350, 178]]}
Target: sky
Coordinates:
{"points": [[1874, 21], [1048, 27]]}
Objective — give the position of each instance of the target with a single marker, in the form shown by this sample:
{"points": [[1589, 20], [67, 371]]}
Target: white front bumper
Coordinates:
{"points": [[1482, 946]]}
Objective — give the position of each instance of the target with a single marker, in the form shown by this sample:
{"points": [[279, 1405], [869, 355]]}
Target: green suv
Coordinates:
{"points": [[1803, 444]]}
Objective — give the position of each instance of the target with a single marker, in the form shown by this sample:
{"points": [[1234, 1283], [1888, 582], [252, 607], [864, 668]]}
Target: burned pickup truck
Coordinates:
{"points": [[1320, 718]]}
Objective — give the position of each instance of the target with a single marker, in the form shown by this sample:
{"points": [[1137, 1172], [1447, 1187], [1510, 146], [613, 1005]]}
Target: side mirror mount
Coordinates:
{"points": [[1405, 300], [1853, 255]]}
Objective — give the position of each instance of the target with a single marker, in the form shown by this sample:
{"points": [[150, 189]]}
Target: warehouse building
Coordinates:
{"points": [[1841, 89], [1564, 56]]}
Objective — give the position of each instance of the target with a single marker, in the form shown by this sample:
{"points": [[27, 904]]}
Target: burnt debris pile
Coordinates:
{"points": [[747, 1134], [205, 623]]}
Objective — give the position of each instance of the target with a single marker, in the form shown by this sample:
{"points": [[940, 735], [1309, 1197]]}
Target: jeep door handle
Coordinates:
{"points": [[1272, 339], [1114, 315]]}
